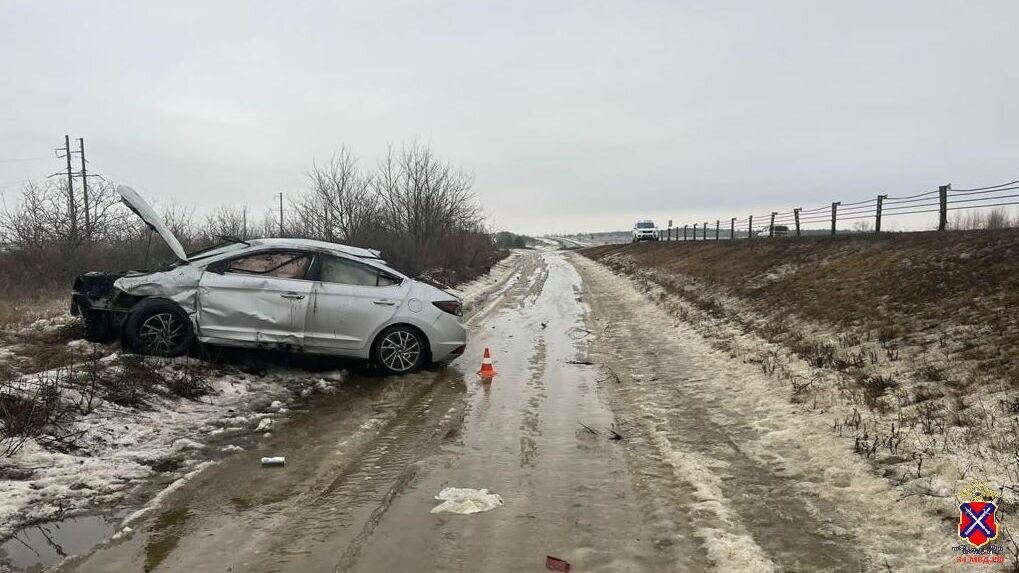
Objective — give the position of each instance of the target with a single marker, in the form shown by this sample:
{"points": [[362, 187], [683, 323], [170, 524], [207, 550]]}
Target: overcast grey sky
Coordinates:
{"points": [[572, 115]]}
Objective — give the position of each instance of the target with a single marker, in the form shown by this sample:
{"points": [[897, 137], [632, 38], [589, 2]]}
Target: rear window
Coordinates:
{"points": [[347, 272]]}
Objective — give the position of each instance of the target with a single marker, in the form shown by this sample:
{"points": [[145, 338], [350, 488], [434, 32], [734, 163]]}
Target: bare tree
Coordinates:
{"points": [[341, 204]]}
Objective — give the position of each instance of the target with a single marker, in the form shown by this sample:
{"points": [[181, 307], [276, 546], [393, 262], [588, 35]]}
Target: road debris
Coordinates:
{"points": [[274, 461], [556, 564], [588, 428], [466, 500], [580, 362]]}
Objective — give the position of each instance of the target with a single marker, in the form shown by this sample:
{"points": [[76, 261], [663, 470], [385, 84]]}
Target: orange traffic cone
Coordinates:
{"points": [[486, 366]]}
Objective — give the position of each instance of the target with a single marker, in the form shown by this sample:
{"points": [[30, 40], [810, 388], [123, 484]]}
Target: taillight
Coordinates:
{"points": [[451, 306]]}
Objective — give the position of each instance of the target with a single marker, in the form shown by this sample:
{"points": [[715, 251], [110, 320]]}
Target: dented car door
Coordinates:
{"points": [[256, 300], [352, 301]]}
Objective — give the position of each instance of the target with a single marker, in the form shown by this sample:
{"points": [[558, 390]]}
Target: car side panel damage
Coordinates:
{"points": [[253, 310], [179, 284]]}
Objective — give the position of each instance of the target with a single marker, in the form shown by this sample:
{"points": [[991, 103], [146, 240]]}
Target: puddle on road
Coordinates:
{"points": [[40, 546], [165, 534]]}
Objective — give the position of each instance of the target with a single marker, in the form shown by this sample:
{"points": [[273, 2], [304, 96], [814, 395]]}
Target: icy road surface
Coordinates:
{"points": [[715, 471]]}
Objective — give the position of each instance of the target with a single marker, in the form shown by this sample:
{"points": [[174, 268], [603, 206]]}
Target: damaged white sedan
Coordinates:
{"points": [[291, 294]]}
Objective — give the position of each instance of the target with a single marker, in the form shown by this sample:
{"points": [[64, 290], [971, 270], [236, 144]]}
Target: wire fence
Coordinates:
{"points": [[941, 201]]}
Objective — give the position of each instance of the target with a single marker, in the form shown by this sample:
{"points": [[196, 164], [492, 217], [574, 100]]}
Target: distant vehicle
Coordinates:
{"points": [[645, 230], [293, 294], [780, 230]]}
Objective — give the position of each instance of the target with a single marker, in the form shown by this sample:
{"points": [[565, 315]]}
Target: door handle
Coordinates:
{"points": [[383, 301], [292, 295]]}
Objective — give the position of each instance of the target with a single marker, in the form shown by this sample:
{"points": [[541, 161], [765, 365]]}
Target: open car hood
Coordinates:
{"points": [[141, 208]]}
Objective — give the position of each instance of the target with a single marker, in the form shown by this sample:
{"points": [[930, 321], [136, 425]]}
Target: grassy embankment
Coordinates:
{"points": [[908, 343]]}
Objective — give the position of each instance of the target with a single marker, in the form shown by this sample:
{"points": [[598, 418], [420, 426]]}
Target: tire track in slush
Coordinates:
{"points": [[750, 511]]}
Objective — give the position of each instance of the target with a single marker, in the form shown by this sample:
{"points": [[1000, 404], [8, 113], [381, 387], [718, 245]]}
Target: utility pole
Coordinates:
{"points": [[84, 187], [281, 213], [771, 227], [72, 209], [750, 228], [834, 214], [796, 215], [943, 206], [732, 228], [877, 219]]}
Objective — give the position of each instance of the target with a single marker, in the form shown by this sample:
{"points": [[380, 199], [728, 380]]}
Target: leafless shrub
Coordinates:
{"points": [[930, 373], [132, 382], [931, 419], [35, 409], [189, 381]]}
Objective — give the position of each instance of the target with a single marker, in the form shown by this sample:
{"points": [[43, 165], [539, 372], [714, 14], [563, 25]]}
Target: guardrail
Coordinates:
{"points": [[942, 201]]}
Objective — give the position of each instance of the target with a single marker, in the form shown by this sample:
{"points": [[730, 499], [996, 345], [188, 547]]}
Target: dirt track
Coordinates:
{"points": [[715, 471]]}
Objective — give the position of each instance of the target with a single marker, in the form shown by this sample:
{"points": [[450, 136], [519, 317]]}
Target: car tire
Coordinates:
{"points": [[399, 350], [158, 327]]}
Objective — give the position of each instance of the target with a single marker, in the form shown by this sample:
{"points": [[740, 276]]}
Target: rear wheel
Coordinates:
{"points": [[399, 350], [159, 328]]}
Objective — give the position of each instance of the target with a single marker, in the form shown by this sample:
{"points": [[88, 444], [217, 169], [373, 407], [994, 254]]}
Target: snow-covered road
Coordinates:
{"points": [[716, 471]]}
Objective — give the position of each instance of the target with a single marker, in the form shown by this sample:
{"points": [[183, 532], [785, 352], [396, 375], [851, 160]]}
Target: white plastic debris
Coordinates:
{"points": [[465, 500], [276, 461], [264, 424]]}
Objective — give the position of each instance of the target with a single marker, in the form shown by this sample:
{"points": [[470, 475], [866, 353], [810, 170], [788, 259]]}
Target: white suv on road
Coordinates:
{"points": [[645, 230]]}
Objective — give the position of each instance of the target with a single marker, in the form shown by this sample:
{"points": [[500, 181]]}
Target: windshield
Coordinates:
{"points": [[216, 250], [646, 225]]}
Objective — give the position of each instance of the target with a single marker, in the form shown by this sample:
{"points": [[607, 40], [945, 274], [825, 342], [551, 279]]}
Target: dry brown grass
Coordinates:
{"points": [[21, 311], [902, 287]]}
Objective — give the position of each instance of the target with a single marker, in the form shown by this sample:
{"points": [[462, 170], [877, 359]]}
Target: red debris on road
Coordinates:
{"points": [[556, 564]]}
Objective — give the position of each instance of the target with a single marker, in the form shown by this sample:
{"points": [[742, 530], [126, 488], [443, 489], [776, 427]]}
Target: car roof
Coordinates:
{"points": [[318, 246]]}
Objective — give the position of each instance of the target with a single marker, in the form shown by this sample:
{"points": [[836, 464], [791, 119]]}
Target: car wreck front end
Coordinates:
{"points": [[103, 300]]}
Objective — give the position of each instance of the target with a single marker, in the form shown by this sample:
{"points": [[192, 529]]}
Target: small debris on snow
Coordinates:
{"points": [[276, 406], [187, 444], [274, 461], [265, 424], [231, 448], [466, 500], [122, 533]]}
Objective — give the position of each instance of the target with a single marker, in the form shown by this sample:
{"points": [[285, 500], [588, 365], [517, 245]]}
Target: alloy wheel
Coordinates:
{"points": [[400, 351], [161, 332]]}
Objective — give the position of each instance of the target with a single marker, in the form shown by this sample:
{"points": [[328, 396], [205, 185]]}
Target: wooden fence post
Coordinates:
{"points": [[704, 236], [771, 227], [684, 232], [796, 215], [695, 231], [834, 215], [732, 228], [716, 228], [943, 208]]}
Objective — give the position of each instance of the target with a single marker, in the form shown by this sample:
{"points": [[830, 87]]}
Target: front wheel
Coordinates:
{"points": [[399, 350], [158, 327]]}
